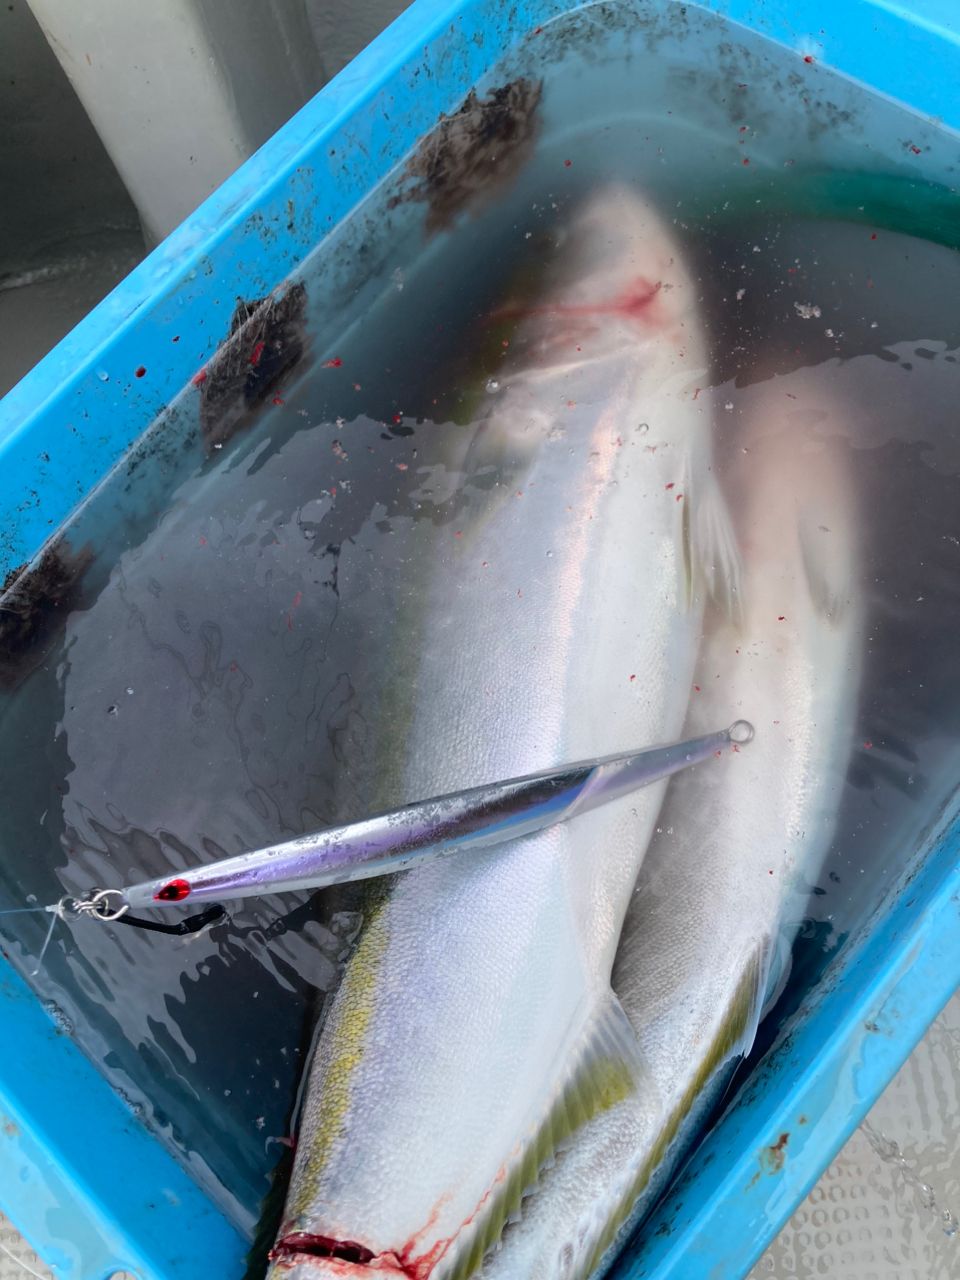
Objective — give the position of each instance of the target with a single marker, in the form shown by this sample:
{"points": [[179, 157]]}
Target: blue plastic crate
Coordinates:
{"points": [[89, 1187]]}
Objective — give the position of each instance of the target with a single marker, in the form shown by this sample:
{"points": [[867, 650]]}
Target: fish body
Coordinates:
{"points": [[723, 886], [475, 1026]]}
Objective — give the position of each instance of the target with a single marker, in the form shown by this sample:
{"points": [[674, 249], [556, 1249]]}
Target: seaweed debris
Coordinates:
{"points": [[266, 340], [472, 154], [35, 599]]}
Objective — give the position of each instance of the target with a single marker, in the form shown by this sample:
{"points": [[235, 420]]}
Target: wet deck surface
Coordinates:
{"points": [[888, 1207]]}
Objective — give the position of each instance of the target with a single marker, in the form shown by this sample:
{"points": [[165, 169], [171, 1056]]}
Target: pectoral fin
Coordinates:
{"points": [[711, 554], [826, 569]]}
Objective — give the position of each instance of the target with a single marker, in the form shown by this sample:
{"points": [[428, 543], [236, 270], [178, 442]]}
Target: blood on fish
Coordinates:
{"points": [[335, 363], [298, 1243], [140, 371], [199, 379], [634, 303], [257, 352]]}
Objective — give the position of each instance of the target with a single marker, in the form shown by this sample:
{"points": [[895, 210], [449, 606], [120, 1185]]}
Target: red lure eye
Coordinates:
{"points": [[174, 891]]}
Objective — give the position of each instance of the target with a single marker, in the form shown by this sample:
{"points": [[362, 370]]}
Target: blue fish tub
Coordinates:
{"points": [[208, 333]]}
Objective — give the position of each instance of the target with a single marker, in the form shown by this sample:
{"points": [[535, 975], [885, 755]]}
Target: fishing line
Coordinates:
{"points": [[46, 942]]}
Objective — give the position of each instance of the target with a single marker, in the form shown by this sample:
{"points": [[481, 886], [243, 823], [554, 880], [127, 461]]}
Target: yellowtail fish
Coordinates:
{"points": [[475, 1027], [722, 889]]}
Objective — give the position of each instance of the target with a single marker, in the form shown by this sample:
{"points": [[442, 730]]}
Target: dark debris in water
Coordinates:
{"points": [[474, 153], [267, 339], [34, 601]]}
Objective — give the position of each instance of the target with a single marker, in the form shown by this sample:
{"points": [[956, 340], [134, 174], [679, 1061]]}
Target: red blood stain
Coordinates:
{"points": [[671, 485], [506, 343], [299, 1244], [537, 30], [335, 363], [398, 418], [635, 303], [781, 617], [808, 58], [278, 400], [915, 150], [736, 748], [140, 371], [633, 677], [873, 236], [200, 378], [173, 891], [745, 160], [332, 491], [257, 352], [203, 541], [357, 387], [679, 497], [567, 164], [401, 466], [696, 688], [868, 744]]}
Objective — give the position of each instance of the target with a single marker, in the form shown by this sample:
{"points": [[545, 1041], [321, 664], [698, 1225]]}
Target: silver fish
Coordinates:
{"points": [[707, 938], [464, 822], [475, 1026]]}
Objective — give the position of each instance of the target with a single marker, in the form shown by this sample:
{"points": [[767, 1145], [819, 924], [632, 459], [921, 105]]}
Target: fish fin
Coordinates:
{"points": [[604, 1065], [778, 973], [711, 553], [826, 572]]}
